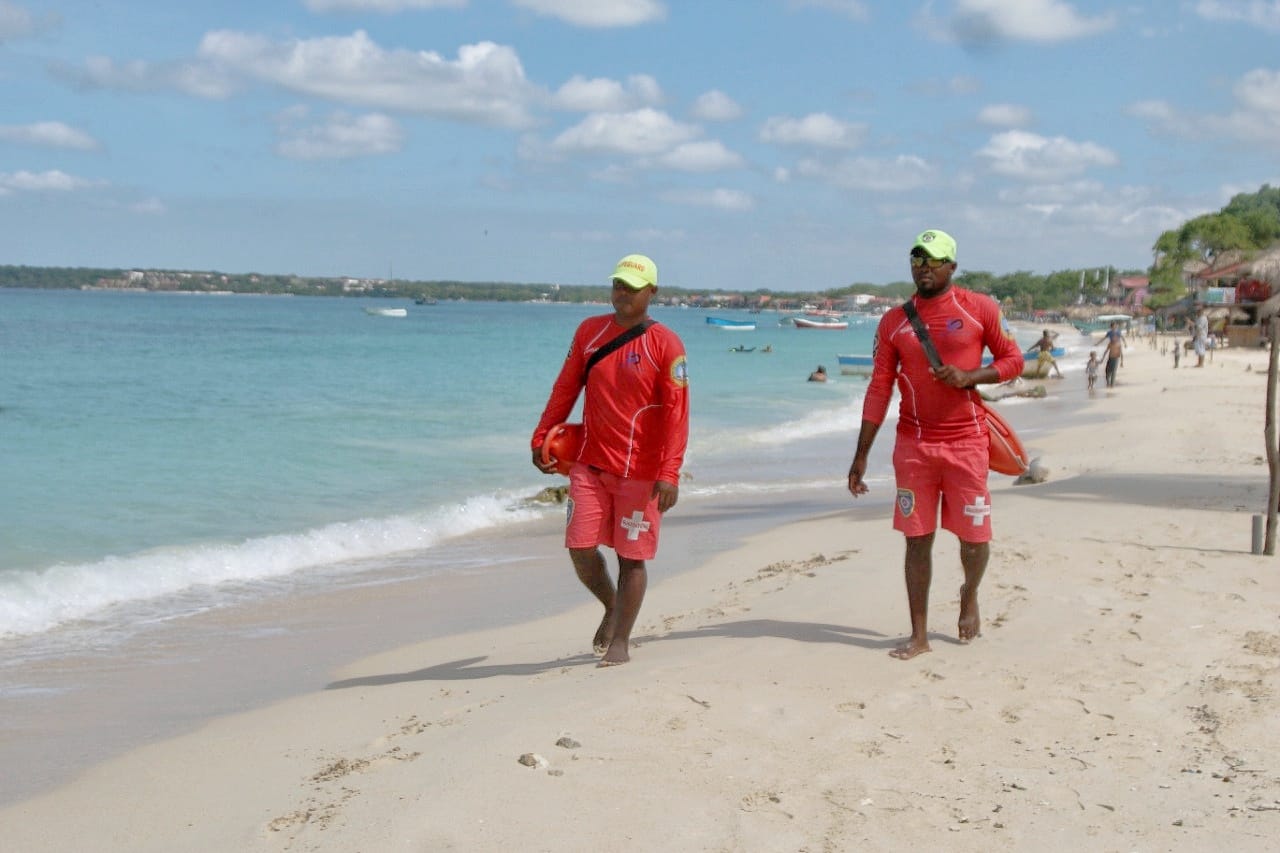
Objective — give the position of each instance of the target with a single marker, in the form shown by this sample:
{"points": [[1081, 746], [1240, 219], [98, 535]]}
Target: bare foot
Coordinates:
{"points": [[970, 627], [600, 642], [616, 656], [910, 649]]}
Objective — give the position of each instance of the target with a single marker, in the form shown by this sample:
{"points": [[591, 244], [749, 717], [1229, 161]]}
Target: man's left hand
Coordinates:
{"points": [[666, 493], [953, 376]]}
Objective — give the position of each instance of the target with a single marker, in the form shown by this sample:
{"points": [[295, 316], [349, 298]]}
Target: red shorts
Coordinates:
{"points": [[953, 471], [604, 509]]}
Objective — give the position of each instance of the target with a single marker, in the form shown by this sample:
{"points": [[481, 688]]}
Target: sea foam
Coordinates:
{"points": [[35, 601]]}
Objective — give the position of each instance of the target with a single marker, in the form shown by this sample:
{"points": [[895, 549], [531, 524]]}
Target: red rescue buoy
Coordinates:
{"points": [[562, 445], [1007, 453]]}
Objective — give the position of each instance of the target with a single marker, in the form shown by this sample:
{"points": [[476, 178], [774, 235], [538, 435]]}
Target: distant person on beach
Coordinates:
{"points": [[819, 375], [1091, 370], [1114, 342], [1045, 348], [627, 474], [1201, 340], [941, 455]]}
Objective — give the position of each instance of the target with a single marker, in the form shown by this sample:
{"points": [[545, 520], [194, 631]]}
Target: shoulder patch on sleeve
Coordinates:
{"points": [[679, 372]]}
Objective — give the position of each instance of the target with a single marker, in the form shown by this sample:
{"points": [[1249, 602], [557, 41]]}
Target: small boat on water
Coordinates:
{"points": [[732, 325], [1102, 323], [855, 365], [820, 323], [741, 348], [1033, 368], [425, 300], [387, 312]]}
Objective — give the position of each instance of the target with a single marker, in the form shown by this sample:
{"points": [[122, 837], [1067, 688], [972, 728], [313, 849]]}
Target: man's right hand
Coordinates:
{"points": [[548, 467], [856, 471]]}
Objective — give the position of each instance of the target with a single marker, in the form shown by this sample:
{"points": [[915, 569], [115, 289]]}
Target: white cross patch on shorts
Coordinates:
{"points": [[978, 510], [635, 524]]}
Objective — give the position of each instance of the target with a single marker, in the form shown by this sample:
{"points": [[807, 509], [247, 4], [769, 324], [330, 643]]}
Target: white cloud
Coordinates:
{"points": [[598, 13], [643, 132], [1005, 115], [17, 22], [193, 78], [1258, 13], [1159, 111], [149, 207], [1031, 157], [50, 134], [485, 84], [855, 9], [703, 156], [1259, 90], [601, 94], [341, 136], [817, 129], [721, 198], [1093, 206], [1255, 117], [50, 181], [987, 21], [383, 6], [715, 106], [903, 173]]}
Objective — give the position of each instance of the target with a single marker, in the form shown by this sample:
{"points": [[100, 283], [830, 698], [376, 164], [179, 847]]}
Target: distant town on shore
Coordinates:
{"points": [[1047, 292]]}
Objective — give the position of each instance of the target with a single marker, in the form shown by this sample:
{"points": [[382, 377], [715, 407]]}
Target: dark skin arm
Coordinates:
{"points": [[858, 468], [666, 493], [957, 378]]}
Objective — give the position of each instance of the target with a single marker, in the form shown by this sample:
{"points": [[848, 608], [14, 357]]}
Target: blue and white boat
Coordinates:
{"points": [[1032, 366], [855, 365], [732, 325]]}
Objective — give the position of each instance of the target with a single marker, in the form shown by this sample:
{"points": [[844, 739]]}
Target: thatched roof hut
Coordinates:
{"points": [[1266, 266]]}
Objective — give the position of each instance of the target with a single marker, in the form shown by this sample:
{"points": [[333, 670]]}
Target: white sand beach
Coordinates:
{"points": [[1122, 696]]}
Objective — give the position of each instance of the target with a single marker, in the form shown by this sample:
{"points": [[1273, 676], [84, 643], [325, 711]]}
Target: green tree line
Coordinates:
{"points": [[1250, 222]]}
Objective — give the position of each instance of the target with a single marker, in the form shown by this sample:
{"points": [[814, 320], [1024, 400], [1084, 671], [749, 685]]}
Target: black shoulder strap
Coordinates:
{"points": [[629, 335], [922, 332]]}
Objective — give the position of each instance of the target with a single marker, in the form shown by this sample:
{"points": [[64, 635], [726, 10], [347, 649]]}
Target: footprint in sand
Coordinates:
{"points": [[1262, 643]]}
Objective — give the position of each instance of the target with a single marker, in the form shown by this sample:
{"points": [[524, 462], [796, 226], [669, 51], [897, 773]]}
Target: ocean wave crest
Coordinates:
{"points": [[32, 602]]}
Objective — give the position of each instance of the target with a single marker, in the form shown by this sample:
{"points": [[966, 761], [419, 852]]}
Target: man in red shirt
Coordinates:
{"points": [[940, 458], [635, 429]]}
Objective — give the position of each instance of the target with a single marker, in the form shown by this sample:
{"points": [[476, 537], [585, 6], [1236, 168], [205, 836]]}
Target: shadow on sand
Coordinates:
{"points": [[467, 668]]}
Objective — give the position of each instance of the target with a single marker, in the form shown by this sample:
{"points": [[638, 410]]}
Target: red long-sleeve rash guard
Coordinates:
{"points": [[961, 323], [636, 410]]}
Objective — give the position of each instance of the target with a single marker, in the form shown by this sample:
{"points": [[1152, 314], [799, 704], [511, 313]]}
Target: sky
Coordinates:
{"points": [[742, 144]]}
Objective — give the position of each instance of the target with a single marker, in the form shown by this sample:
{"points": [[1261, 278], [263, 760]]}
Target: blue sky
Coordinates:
{"points": [[782, 144]]}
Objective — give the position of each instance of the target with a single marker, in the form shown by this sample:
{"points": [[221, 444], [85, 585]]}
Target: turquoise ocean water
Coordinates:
{"points": [[209, 502], [166, 453]]}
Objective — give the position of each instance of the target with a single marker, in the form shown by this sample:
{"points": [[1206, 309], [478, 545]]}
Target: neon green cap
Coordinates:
{"points": [[637, 272], [936, 244]]}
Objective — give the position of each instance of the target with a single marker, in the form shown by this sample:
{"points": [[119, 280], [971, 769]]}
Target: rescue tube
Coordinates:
{"points": [[562, 445], [1007, 453]]}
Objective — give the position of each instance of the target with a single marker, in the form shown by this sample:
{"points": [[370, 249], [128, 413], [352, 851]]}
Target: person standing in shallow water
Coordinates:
{"points": [[1114, 350], [941, 455], [636, 426]]}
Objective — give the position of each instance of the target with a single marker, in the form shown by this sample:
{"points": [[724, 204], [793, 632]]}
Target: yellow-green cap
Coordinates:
{"points": [[936, 244], [636, 272]]}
